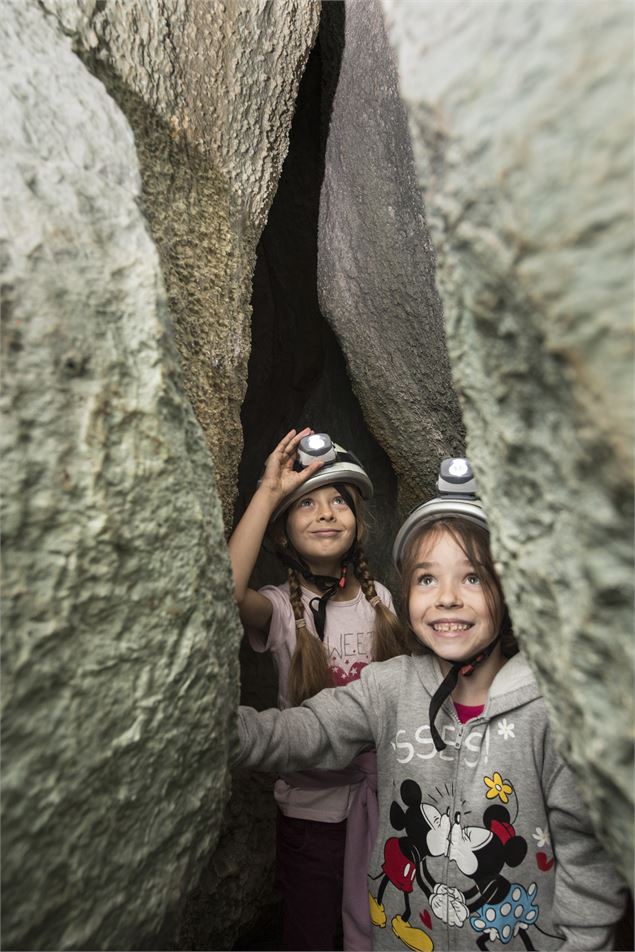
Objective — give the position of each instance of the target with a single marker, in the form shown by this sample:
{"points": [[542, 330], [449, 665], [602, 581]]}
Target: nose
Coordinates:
{"points": [[324, 512], [448, 595]]}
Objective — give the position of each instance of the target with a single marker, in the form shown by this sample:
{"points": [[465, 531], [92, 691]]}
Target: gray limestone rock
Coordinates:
{"points": [[522, 125], [120, 638], [113, 528], [375, 262], [209, 89]]}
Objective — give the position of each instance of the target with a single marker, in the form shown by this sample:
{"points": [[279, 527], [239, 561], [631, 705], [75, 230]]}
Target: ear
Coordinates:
{"points": [[397, 816], [515, 850], [495, 812], [282, 541], [411, 793]]}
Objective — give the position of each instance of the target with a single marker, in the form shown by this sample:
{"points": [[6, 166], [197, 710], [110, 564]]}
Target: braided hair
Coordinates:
{"points": [[388, 634], [309, 671]]}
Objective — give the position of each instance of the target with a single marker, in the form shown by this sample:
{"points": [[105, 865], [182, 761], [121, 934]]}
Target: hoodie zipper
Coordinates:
{"points": [[457, 743]]}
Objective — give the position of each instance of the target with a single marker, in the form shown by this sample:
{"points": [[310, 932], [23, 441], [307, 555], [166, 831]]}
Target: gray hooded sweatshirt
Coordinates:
{"points": [[485, 844]]}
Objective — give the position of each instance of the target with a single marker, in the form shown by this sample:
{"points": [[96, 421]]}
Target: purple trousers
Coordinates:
{"points": [[310, 873], [359, 833]]}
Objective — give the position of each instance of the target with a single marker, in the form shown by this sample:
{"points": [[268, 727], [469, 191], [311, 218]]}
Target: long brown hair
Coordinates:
{"points": [[474, 540], [309, 671]]}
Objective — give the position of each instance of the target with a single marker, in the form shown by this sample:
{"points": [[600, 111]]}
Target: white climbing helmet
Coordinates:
{"points": [[457, 497], [340, 466]]}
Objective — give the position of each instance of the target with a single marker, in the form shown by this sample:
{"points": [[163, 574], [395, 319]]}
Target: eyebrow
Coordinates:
{"points": [[429, 565]]}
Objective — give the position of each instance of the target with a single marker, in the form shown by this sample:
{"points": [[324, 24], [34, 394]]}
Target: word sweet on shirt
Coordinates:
{"points": [[346, 645], [349, 652], [407, 745]]}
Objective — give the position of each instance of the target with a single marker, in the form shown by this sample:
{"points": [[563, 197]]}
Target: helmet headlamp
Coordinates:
{"points": [[340, 466], [456, 478], [457, 497], [316, 446]]}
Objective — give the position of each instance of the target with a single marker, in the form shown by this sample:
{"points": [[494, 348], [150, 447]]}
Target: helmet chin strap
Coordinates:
{"points": [[446, 687], [329, 584]]}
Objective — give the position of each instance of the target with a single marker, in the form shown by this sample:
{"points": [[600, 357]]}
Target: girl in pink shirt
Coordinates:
{"points": [[322, 627]]}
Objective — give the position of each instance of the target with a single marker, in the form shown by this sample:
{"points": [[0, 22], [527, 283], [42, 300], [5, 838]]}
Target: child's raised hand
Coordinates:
{"points": [[279, 477]]}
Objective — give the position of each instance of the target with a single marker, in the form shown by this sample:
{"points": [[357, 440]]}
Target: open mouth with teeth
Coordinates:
{"points": [[451, 626]]}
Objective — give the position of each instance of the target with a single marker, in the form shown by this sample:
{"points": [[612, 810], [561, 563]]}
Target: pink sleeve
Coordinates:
{"points": [[282, 621]]}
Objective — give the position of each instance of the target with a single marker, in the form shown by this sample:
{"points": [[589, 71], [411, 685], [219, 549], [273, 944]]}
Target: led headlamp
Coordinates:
{"points": [[316, 446], [456, 478], [457, 497], [340, 466]]}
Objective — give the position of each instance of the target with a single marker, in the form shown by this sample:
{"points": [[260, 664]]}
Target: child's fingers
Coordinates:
{"points": [[293, 443], [290, 447], [281, 451], [309, 470], [285, 452], [284, 442]]}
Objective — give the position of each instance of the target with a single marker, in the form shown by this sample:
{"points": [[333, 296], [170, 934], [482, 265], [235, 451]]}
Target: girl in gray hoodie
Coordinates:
{"points": [[483, 840]]}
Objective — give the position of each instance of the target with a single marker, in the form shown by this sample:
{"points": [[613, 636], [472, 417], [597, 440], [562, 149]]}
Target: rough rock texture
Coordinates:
{"points": [[209, 89], [376, 265], [113, 528], [119, 673], [522, 124]]}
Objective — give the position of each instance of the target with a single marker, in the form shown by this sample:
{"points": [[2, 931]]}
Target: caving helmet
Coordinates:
{"points": [[340, 466], [457, 497]]}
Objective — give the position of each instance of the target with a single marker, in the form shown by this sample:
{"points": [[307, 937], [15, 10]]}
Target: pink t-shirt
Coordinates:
{"points": [[466, 712], [348, 636]]}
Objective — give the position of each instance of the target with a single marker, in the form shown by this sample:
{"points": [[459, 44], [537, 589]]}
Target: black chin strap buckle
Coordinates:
{"points": [[328, 583]]}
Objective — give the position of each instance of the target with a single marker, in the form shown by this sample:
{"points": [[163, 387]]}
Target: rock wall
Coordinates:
{"points": [[118, 665], [120, 641], [209, 90], [376, 265], [522, 125]]}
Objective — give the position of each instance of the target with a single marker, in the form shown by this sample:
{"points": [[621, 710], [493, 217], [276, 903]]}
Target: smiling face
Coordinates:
{"points": [[321, 527], [447, 601]]}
